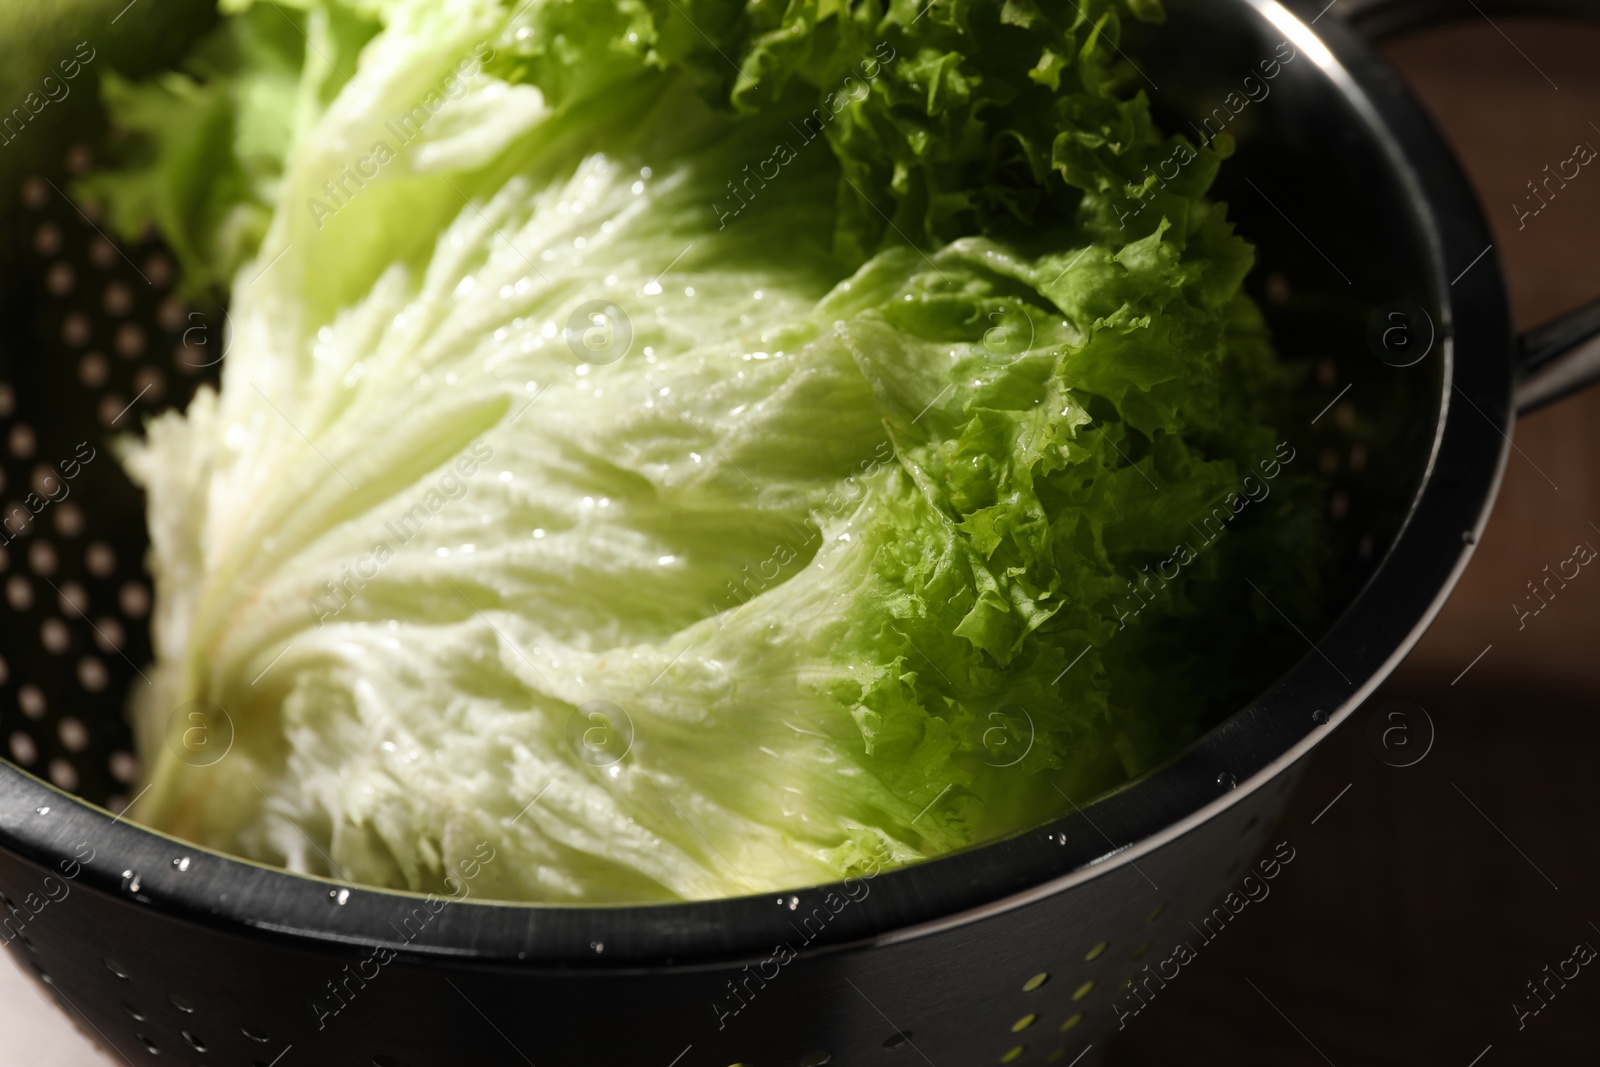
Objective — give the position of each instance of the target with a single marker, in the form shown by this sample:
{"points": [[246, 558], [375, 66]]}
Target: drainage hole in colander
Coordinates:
{"points": [[254, 1033], [64, 775], [116, 968], [1095, 953], [1014, 1054], [30, 698], [1035, 982], [1072, 1020], [74, 735], [124, 768], [133, 1013], [182, 1003], [43, 976], [815, 1059], [1251, 825], [149, 1045], [1084, 990], [895, 1040], [54, 635], [196, 1042]]}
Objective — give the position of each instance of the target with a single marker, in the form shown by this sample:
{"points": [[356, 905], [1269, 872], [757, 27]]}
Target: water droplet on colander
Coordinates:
{"points": [[598, 946], [1059, 839], [1319, 717], [45, 810], [338, 896], [181, 864], [1226, 780], [794, 903], [130, 881]]}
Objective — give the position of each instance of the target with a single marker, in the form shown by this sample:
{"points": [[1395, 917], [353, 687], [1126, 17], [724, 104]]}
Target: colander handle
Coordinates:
{"points": [[1558, 358], [1561, 356]]}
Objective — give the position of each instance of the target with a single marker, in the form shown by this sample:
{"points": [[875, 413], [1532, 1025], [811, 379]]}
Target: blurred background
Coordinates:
{"points": [[1423, 898]]}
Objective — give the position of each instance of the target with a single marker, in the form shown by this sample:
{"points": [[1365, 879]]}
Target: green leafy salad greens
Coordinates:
{"points": [[698, 447]]}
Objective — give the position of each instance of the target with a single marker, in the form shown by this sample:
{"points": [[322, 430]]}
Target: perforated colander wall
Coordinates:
{"points": [[111, 344]]}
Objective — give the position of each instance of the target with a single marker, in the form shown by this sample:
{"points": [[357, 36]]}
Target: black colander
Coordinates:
{"points": [[1029, 950]]}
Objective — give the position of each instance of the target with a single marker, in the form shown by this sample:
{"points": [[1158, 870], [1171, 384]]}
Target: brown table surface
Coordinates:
{"points": [[1423, 901]]}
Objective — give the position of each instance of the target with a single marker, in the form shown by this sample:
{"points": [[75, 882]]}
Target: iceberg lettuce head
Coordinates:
{"points": [[698, 447]]}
